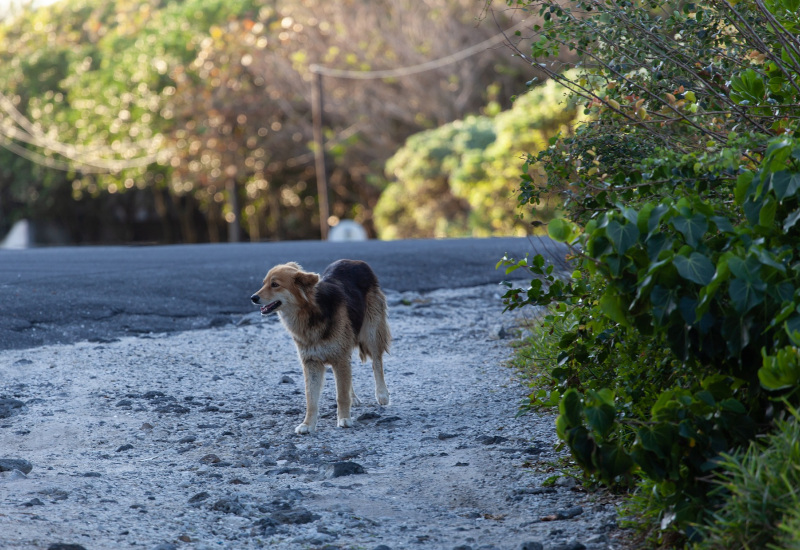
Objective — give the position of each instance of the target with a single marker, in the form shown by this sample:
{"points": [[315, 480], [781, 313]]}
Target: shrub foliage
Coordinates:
{"points": [[682, 203]]}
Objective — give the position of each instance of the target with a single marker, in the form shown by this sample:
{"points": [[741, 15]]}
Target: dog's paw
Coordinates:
{"points": [[382, 397], [303, 429], [345, 423]]}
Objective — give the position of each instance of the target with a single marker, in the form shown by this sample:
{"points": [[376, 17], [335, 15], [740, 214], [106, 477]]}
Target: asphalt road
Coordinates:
{"points": [[65, 295]]}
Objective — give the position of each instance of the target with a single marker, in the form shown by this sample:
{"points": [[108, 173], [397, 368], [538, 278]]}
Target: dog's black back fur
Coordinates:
{"points": [[345, 281]]}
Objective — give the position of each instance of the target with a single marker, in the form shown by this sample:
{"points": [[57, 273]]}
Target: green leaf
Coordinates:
{"points": [[696, 268], [766, 216], [742, 189], [613, 461], [600, 418], [692, 228], [791, 220], [746, 294], [611, 304], [562, 230], [780, 371], [622, 236], [785, 184], [571, 408]]}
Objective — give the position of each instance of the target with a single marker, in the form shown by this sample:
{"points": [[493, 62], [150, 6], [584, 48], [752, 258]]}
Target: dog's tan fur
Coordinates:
{"points": [[328, 341]]}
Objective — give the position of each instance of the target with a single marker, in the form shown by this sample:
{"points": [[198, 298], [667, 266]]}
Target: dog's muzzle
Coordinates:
{"points": [[268, 308]]}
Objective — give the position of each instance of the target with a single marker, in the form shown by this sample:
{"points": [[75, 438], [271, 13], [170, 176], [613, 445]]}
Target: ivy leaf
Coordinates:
{"points": [[622, 236], [746, 294], [692, 228], [696, 268], [571, 408], [791, 220], [785, 184], [562, 230]]}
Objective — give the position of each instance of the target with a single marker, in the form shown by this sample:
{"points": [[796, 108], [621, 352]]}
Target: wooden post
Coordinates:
{"points": [[319, 151]]}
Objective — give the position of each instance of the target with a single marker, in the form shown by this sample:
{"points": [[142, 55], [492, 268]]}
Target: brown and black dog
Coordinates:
{"points": [[329, 316]]}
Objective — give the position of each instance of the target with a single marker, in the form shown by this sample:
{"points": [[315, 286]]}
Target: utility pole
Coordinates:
{"points": [[319, 150]]}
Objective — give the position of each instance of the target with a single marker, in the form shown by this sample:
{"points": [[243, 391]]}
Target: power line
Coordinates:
{"points": [[421, 67], [88, 159]]}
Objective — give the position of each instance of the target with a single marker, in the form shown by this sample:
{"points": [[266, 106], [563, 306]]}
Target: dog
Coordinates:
{"points": [[328, 316]]}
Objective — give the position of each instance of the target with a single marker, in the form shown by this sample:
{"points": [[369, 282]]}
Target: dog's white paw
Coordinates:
{"points": [[303, 429], [345, 423], [382, 397]]}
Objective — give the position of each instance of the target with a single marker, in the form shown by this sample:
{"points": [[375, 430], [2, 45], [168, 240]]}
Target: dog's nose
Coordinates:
{"points": [[255, 298]]}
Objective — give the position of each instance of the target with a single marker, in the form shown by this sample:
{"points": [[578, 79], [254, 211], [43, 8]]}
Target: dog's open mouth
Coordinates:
{"points": [[269, 308]]}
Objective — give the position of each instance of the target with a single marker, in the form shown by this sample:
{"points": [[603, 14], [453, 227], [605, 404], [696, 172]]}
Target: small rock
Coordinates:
{"points": [[340, 469], [146, 426], [33, 502], [492, 439], [9, 464], [442, 436], [570, 546], [532, 545], [23, 361], [187, 439], [228, 505], [124, 403], [287, 379], [388, 419], [462, 464], [210, 459], [199, 497], [569, 513], [244, 416], [126, 447], [382, 547], [63, 546], [172, 408], [154, 394], [9, 407], [368, 416], [91, 474], [264, 527], [295, 516], [565, 481]]}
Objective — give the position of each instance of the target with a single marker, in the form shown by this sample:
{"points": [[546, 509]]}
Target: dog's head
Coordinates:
{"points": [[286, 285]]}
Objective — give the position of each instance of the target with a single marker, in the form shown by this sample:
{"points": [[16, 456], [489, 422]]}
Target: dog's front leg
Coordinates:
{"points": [[314, 374]]}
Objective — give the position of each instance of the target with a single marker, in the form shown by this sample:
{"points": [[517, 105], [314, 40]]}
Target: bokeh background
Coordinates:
{"points": [[191, 121]]}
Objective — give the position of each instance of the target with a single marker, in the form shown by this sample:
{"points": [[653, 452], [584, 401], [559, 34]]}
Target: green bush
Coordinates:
{"points": [[681, 321], [761, 494], [457, 180]]}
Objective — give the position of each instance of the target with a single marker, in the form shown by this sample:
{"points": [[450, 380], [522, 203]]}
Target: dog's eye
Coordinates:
{"points": [[274, 284]]}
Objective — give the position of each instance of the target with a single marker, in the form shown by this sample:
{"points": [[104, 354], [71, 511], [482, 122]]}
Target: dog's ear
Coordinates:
{"points": [[306, 280], [295, 265]]}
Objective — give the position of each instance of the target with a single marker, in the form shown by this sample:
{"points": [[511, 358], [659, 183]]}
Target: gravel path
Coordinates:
{"points": [[186, 441]]}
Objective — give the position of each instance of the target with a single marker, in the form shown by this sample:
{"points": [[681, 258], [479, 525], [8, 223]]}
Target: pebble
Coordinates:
{"points": [[9, 407], [341, 469], [63, 546], [10, 464]]}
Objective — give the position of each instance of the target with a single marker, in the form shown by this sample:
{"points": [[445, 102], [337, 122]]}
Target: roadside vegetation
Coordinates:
{"points": [[136, 120], [672, 353]]}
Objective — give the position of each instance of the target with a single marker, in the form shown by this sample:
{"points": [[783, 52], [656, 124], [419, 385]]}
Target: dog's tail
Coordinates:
{"points": [[375, 338]]}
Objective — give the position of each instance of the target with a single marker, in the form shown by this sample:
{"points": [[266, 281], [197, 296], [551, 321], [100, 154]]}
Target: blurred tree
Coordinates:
{"points": [[457, 180], [213, 97]]}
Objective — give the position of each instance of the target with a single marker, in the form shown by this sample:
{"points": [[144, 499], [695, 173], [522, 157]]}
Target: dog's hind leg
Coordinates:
{"points": [[314, 374], [342, 374]]}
